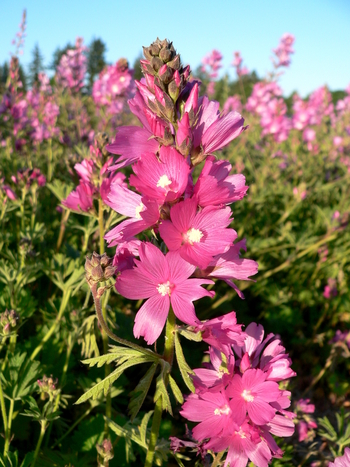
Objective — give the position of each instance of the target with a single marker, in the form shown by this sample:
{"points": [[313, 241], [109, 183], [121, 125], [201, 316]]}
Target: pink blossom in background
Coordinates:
{"points": [[72, 67], [284, 50], [341, 337], [211, 63], [232, 104], [330, 290], [305, 422], [342, 461], [237, 63], [114, 86], [164, 281]]}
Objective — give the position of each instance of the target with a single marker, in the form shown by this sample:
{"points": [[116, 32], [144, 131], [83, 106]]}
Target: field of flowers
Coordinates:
{"points": [[174, 266]]}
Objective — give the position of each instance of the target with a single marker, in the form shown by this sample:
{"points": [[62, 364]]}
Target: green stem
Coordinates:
{"points": [[64, 219], [157, 418], [104, 314], [62, 382], [112, 335], [64, 303], [49, 168], [169, 357], [3, 412], [37, 449], [170, 337], [217, 459], [101, 226], [8, 431]]}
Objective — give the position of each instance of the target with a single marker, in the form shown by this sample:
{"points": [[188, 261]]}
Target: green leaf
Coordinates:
{"points": [[183, 366], [106, 383], [191, 336], [162, 392], [143, 426], [60, 189], [11, 459], [140, 392], [119, 354], [176, 390]]}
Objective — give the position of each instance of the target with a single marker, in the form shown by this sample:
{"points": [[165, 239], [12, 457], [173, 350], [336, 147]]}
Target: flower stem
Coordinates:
{"points": [[8, 431], [111, 334], [104, 314], [157, 418], [3, 412], [169, 357], [64, 303], [49, 164], [37, 449], [170, 337]]}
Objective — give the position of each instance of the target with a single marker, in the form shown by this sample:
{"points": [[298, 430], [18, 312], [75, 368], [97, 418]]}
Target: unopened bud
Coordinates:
{"points": [[166, 55], [165, 74], [173, 90], [105, 452], [147, 53], [156, 63], [8, 321], [154, 49], [48, 387], [99, 268], [175, 63]]}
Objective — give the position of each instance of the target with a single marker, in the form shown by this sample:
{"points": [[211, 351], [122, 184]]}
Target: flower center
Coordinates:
{"points": [[138, 210], [164, 181], [165, 289], [247, 396], [225, 410], [194, 235]]}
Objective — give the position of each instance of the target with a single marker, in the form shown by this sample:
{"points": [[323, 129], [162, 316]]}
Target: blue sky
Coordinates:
{"points": [[254, 27]]}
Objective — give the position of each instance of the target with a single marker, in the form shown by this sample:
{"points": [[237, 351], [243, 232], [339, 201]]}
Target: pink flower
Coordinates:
{"points": [[222, 332], [215, 185], [81, 199], [230, 265], [343, 461], [197, 236], [164, 281], [212, 410], [213, 131], [143, 214], [252, 393], [164, 179]]}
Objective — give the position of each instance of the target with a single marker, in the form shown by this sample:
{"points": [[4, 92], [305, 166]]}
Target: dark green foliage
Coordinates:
{"points": [[36, 66], [96, 60]]}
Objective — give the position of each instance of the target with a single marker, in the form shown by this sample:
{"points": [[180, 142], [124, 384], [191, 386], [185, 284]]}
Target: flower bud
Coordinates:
{"points": [[173, 90], [175, 64], [8, 322], [99, 268], [165, 74], [166, 55], [105, 452], [48, 387], [156, 63]]}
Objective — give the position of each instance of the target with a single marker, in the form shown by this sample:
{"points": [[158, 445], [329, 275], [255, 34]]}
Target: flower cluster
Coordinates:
{"points": [[8, 322], [237, 63], [306, 424], [114, 84], [238, 402], [190, 216], [284, 50], [72, 67], [43, 111], [94, 179]]}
